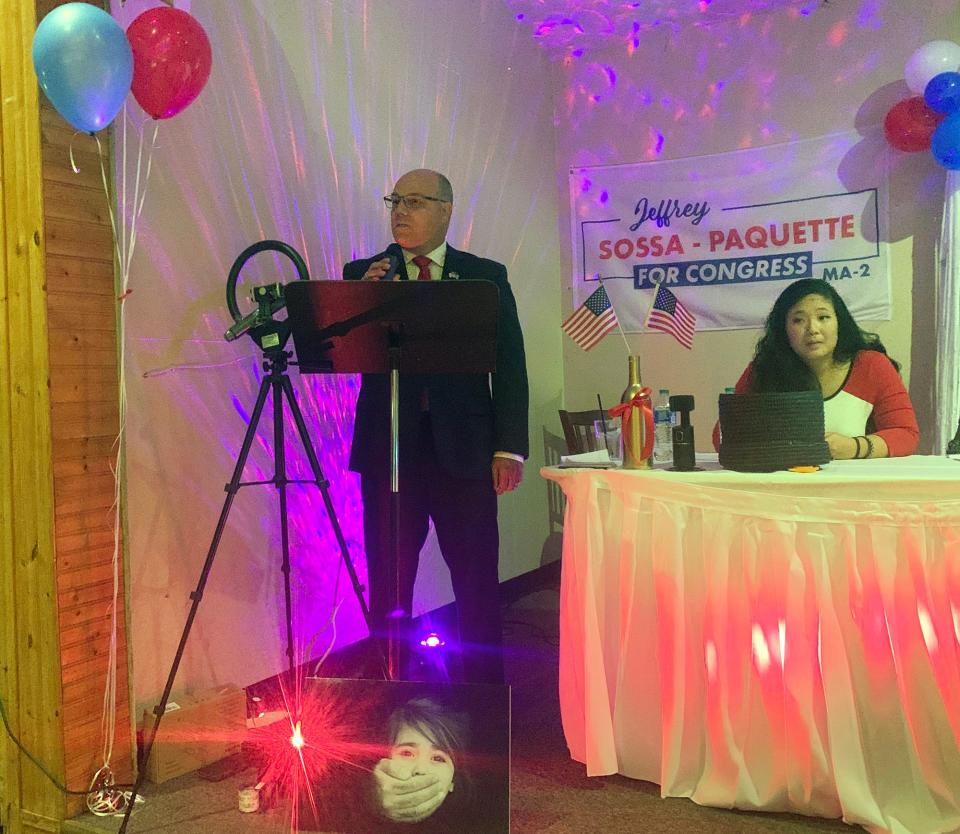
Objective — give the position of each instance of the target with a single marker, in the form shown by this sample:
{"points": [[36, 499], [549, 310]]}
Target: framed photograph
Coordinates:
{"points": [[404, 756]]}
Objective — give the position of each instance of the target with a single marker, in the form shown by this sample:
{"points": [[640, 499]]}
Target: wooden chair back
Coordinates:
{"points": [[578, 430], [953, 447], [553, 447]]}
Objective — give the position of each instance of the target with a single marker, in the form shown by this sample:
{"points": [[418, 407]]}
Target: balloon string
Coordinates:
{"points": [[108, 716], [138, 197], [108, 719], [123, 204], [124, 247], [106, 191], [73, 163]]}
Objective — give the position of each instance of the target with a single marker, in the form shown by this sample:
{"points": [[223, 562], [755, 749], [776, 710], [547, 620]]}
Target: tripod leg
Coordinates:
{"points": [[197, 595], [280, 479], [323, 485]]}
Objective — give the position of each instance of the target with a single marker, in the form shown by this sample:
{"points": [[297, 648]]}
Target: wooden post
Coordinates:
{"points": [[29, 651]]}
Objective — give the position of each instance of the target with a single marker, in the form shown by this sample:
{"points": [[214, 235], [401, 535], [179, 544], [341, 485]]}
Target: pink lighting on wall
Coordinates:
{"points": [[567, 25], [654, 144], [838, 34]]}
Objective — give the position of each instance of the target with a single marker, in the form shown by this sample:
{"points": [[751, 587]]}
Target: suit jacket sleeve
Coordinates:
{"points": [[509, 382]]}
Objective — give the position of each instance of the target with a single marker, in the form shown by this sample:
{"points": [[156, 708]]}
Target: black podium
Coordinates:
{"points": [[394, 327]]}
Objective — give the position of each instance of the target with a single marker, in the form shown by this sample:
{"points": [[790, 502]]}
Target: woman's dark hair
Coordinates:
{"points": [[447, 730], [775, 365]]}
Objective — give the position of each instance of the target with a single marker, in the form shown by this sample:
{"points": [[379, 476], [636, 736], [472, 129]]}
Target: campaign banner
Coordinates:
{"points": [[726, 233]]}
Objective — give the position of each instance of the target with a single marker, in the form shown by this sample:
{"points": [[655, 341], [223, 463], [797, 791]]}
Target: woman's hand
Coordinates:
{"points": [[403, 797], [842, 447], [849, 448]]}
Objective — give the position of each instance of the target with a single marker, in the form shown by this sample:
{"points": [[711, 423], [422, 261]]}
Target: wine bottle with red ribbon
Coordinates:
{"points": [[636, 419]]}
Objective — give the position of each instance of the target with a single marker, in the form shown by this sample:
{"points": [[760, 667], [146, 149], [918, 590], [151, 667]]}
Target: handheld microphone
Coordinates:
{"points": [[392, 269]]}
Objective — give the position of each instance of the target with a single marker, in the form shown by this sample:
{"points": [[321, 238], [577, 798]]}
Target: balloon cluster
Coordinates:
{"points": [[931, 118], [86, 63]]}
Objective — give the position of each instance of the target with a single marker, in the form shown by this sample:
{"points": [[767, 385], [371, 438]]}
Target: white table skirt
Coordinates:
{"points": [[787, 642]]}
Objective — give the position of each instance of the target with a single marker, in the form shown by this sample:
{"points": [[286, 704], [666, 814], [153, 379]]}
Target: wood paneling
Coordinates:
{"points": [[87, 312], [86, 605], [85, 448], [72, 275], [91, 519], [78, 240], [84, 415], [29, 651], [59, 420], [75, 204], [84, 704]]}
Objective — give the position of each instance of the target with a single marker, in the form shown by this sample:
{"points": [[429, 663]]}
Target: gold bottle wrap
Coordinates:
{"points": [[633, 428]]}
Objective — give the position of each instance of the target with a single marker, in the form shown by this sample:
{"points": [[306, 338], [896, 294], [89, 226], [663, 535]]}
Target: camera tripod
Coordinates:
{"points": [[276, 381]]}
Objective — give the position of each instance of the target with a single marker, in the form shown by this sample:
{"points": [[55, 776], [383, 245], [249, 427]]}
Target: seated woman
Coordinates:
{"points": [[810, 343]]}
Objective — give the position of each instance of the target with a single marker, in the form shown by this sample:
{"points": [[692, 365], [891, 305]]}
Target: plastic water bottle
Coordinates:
{"points": [[663, 429]]}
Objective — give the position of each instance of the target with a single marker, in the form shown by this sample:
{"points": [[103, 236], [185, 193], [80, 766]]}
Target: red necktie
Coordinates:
{"points": [[423, 262]]}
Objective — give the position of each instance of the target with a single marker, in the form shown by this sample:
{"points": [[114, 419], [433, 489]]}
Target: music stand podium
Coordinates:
{"points": [[394, 327]]}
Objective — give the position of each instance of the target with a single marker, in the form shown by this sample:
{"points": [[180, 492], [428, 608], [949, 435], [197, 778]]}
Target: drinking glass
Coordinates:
{"points": [[606, 435]]}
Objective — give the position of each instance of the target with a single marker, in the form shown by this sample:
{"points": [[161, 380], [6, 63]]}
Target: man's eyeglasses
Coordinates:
{"points": [[411, 202]]}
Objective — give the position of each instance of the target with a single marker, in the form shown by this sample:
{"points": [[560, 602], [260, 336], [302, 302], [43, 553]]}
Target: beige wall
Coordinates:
{"points": [[786, 77]]}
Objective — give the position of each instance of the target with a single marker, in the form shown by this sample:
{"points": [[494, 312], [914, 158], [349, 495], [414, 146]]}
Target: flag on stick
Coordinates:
{"points": [[670, 316], [593, 320]]}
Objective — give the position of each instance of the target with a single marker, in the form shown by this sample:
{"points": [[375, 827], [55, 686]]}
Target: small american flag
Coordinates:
{"points": [[593, 320], [670, 316]]}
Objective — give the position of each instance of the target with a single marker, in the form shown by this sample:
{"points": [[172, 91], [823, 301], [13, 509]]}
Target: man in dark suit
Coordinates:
{"points": [[463, 437]]}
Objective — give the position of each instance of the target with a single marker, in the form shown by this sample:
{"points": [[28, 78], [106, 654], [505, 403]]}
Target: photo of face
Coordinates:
{"points": [[416, 754], [416, 763], [812, 329]]}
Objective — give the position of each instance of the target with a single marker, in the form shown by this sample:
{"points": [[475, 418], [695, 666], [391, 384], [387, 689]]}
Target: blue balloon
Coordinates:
{"points": [[942, 92], [84, 64], [945, 142]]}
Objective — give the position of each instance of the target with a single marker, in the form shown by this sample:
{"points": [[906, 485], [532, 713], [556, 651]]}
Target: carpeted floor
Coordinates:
{"points": [[550, 793]]}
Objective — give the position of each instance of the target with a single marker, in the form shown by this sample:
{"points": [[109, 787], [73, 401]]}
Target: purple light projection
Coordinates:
{"points": [[246, 162], [568, 26], [661, 78], [302, 128]]}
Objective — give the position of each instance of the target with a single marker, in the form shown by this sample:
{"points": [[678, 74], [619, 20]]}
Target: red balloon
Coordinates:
{"points": [[171, 60], [908, 125]]}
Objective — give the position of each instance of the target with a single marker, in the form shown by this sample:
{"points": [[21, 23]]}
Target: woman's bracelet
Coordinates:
{"points": [[856, 455], [869, 453]]}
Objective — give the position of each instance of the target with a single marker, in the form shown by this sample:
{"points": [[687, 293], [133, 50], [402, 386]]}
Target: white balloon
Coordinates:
{"points": [[929, 60]]}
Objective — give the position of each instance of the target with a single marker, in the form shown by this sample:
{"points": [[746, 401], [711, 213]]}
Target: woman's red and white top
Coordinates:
{"points": [[872, 400]]}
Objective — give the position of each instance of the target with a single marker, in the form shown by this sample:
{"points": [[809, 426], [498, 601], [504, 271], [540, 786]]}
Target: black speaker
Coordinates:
{"points": [[684, 450]]}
